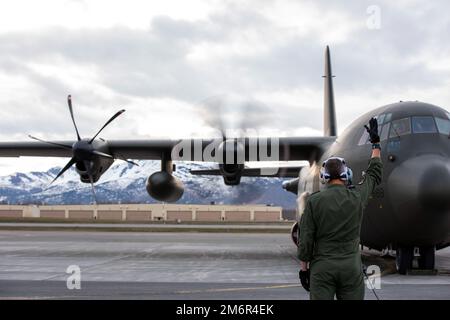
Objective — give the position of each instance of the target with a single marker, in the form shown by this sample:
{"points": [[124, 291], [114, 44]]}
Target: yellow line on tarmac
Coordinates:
{"points": [[239, 289]]}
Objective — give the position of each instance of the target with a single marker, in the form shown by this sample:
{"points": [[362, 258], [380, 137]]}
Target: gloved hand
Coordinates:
{"points": [[373, 130], [304, 279]]}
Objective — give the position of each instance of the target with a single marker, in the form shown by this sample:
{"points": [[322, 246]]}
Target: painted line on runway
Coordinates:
{"points": [[148, 228], [238, 289], [30, 298]]}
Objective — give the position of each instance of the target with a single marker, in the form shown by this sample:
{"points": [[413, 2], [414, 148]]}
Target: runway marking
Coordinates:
{"points": [[239, 289], [29, 298]]}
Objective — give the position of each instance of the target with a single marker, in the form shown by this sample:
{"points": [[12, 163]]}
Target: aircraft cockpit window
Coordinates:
{"points": [[364, 138], [388, 117], [400, 127], [423, 125], [384, 131], [443, 125], [384, 125], [380, 118]]}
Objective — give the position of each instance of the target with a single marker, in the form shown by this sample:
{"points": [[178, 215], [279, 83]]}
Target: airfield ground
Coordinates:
{"points": [[175, 265]]}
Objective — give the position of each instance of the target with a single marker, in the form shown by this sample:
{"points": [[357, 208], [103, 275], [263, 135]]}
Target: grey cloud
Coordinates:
{"points": [[154, 63], [47, 110]]}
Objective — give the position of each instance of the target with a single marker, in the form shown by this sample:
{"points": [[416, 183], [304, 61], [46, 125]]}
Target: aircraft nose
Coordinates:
{"points": [[419, 188], [434, 186]]}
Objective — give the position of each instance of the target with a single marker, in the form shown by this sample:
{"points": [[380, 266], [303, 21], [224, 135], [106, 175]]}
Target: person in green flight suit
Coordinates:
{"points": [[329, 231]]}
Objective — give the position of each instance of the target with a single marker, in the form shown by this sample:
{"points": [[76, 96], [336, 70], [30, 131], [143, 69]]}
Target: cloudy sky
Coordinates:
{"points": [[168, 63]]}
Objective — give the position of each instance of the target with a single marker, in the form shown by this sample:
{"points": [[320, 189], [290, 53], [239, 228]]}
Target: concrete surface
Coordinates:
{"points": [[141, 227], [121, 265]]}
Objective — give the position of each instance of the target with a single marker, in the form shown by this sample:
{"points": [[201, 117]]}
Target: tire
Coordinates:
{"points": [[404, 259], [426, 259]]}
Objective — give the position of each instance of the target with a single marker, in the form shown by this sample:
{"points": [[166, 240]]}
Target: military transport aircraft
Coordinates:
{"points": [[409, 211]]}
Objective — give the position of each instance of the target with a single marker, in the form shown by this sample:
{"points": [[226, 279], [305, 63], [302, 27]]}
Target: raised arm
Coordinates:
{"points": [[375, 171]]}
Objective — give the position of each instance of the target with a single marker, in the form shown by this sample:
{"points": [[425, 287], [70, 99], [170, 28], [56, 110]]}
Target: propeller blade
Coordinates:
{"points": [[234, 115], [129, 161], [52, 143], [118, 113], [211, 110], [121, 157], [102, 154], [91, 179], [93, 190], [67, 166], [69, 102], [105, 155]]}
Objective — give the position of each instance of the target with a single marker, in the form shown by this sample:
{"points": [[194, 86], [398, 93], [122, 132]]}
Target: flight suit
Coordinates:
{"points": [[329, 237]]}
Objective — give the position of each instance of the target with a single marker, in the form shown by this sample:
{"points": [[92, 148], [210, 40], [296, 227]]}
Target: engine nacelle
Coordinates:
{"points": [[233, 154], [294, 233], [163, 186], [231, 173], [97, 166]]}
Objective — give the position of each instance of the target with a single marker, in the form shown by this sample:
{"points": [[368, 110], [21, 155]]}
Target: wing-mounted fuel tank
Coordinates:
{"points": [[162, 185], [291, 185]]}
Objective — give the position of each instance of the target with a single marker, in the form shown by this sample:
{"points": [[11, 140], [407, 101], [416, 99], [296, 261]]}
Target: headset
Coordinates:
{"points": [[345, 175]]}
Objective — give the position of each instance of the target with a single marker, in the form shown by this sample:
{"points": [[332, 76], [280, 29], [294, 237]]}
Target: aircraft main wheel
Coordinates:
{"points": [[404, 259], [426, 259]]}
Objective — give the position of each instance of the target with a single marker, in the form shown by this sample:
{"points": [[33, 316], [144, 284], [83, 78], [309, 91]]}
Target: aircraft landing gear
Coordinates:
{"points": [[426, 258], [404, 259], [405, 256]]}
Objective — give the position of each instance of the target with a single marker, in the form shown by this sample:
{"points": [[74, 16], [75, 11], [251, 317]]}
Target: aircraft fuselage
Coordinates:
{"points": [[411, 207]]}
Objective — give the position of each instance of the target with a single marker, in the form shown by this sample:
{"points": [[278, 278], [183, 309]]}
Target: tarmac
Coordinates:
{"points": [[175, 265]]}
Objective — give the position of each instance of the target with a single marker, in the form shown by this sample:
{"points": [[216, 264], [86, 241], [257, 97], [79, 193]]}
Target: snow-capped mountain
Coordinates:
{"points": [[125, 183]]}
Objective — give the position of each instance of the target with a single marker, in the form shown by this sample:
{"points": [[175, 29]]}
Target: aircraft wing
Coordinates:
{"points": [[289, 149], [35, 149], [271, 172], [135, 149]]}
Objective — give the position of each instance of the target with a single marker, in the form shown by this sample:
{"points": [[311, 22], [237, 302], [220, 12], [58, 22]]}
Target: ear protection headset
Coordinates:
{"points": [[346, 173]]}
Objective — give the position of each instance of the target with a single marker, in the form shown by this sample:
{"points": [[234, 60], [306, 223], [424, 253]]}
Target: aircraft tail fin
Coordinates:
{"points": [[329, 116]]}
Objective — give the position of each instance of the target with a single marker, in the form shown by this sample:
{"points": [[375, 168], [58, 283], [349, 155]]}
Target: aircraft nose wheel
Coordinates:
{"points": [[404, 259]]}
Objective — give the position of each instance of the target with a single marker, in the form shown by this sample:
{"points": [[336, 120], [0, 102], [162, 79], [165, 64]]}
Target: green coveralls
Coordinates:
{"points": [[329, 237]]}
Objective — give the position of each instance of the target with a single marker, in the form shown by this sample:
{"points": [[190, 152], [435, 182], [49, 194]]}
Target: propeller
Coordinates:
{"points": [[69, 164], [233, 113], [244, 116], [105, 155], [88, 166], [52, 143], [82, 149], [69, 102], [107, 122]]}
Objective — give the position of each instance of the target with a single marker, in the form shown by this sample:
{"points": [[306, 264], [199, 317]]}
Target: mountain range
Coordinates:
{"points": [[125, 183]]}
